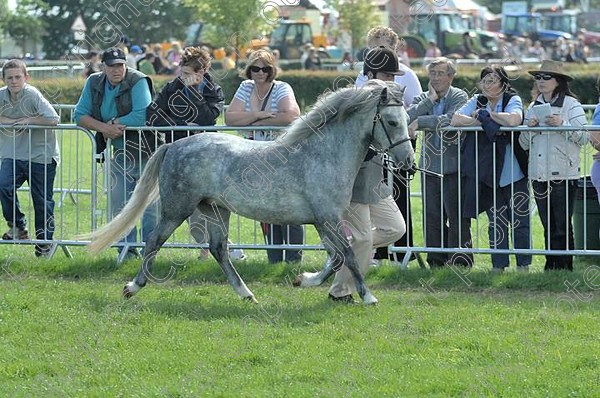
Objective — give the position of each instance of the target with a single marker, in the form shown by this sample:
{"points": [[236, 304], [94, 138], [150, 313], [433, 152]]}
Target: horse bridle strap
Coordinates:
{"points": [[377, 118]]}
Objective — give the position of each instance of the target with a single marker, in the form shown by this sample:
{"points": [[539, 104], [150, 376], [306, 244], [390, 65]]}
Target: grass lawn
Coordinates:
{"points": [[66, 332]]}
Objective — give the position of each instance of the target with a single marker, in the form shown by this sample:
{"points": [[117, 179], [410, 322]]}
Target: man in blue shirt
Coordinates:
{"points": [[111, 101]]}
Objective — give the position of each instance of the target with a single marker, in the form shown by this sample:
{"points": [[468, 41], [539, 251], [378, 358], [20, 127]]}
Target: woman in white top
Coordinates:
{"points": [[554, 159], [263, 101]]}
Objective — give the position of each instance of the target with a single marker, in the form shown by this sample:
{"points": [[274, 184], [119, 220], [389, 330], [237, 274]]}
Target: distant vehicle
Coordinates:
{"points": [[570, 21], [291, 35], [530, 25], [196, 34], [446, 28]]}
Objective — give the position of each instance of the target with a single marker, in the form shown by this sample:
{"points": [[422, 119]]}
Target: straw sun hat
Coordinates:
{"points": [[553, 68]]}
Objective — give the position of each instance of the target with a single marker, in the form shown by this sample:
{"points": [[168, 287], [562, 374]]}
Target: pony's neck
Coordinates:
{"points": [[348, 140]]}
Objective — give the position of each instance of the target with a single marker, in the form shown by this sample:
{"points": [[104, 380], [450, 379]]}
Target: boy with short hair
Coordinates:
{"points": [[27, 155]]}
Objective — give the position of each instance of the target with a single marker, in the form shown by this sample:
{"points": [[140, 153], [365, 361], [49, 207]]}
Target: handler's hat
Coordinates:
{"points": [[114, 55], [552, 68], [381, 59]]}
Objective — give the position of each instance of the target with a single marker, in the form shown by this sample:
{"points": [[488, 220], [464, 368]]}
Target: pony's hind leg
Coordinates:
{"points": [[157, 238], [218, 229]]}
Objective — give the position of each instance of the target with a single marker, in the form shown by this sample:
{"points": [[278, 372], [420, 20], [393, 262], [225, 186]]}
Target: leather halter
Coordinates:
{"points": [[378, 118]]}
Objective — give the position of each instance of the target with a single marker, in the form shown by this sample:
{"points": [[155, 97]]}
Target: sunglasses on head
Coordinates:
{"points": [[265, 69], [544, 76]]}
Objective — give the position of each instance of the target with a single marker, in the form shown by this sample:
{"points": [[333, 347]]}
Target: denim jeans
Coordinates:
{"points": [[40, 177], [125, 173], [511, 208]]}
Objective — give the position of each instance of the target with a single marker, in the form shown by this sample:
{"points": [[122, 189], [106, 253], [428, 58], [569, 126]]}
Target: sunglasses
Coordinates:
{"points": [[265, 69], [544, 76]]}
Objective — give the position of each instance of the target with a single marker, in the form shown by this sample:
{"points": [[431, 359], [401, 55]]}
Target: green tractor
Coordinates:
{"points": [[446, 29]]}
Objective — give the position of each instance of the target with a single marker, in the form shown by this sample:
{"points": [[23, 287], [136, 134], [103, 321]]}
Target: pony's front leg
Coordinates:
{"points": [[361, 287], [340, 253]]}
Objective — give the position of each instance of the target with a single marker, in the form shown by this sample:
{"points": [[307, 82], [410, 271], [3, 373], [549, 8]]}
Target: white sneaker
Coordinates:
{"points": [[237, 254]]}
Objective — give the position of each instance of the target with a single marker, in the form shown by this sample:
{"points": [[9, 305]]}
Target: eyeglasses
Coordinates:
{"points": [[544, 76], [265, 69], [488, 82], [433, 73]]}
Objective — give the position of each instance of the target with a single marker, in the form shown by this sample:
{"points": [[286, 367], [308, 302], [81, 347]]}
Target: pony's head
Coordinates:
{"points": [[390, 123]]}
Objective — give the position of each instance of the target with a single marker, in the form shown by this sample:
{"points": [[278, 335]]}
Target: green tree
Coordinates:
{"points": [[233, 23], [25, 25], [356, 17], [4, 15], [142, 21]]}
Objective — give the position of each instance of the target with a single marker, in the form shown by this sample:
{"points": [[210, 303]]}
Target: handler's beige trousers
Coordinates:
{"points": [[370, 226]]}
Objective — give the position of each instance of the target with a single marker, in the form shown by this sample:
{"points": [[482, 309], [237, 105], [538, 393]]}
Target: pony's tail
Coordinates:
{"points": [[145, 193]]}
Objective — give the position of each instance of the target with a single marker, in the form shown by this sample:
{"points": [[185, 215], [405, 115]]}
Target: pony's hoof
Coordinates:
{"points": [[130, 290], [369, 299], [251, 299], [297, 282], [306, 279]]}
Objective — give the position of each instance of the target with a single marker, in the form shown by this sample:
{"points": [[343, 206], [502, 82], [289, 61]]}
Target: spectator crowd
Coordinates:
{"points": [[464, 172]]}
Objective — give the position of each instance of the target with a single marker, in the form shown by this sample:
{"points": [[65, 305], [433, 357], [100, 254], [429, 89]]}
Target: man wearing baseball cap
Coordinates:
{"points": [[111, 101]]}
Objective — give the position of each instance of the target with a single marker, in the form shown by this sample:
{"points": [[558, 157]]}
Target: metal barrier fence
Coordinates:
{"points": [[76, 179], [86, 185]]}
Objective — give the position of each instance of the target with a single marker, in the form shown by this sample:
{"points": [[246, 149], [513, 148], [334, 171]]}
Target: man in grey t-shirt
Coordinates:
{"points": [[27, 155]]}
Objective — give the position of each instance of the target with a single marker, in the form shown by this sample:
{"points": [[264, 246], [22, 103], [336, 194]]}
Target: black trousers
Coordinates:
{"points": [[555, 201]]}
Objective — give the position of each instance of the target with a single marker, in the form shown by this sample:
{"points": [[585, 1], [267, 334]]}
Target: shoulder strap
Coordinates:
{"points": [[264, 104]]}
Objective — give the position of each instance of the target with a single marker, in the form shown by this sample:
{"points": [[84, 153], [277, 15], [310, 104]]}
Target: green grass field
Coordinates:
{"points": [[66, 332]]}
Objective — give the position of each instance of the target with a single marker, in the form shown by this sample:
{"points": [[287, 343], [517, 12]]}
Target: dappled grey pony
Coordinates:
{"points": [[304, 177]]}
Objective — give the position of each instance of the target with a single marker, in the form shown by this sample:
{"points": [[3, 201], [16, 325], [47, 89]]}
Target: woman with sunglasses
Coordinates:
{"points": [[494, 167], [554, 158], [263, 101]]}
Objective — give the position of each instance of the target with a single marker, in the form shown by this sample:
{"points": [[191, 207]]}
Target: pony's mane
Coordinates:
{"points": [[339, 105]]}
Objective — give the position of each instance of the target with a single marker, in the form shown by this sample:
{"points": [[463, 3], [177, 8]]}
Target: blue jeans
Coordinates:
{"points": [[13, 173], [511, 208], [125, 173]]}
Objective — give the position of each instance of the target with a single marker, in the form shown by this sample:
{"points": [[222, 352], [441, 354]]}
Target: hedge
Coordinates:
{"points": [[309, 85]]}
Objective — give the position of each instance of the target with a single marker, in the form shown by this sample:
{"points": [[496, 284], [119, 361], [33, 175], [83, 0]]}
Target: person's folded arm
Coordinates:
{"points": [[236, 115], [460, 120], [288, 111]]}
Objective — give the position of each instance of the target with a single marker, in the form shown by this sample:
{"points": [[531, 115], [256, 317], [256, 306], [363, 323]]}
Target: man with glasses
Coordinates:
{"points": [[431, 113]]}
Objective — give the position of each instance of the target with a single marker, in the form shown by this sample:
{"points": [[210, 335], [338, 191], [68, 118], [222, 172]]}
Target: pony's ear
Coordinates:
{"points": [[384, 96]]}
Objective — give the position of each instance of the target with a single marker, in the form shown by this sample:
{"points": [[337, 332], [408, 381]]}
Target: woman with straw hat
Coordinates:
{"points": [[554, 157]]}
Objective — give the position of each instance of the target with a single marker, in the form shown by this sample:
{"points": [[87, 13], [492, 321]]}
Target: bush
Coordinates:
{"points": [[309, 85]]}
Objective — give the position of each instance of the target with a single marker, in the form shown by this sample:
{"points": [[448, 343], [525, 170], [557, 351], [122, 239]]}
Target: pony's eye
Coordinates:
{"points": [[393, 123]]}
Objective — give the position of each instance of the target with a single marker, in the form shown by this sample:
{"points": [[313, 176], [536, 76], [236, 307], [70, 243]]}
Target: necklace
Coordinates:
{"points": [[261, 99]]}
